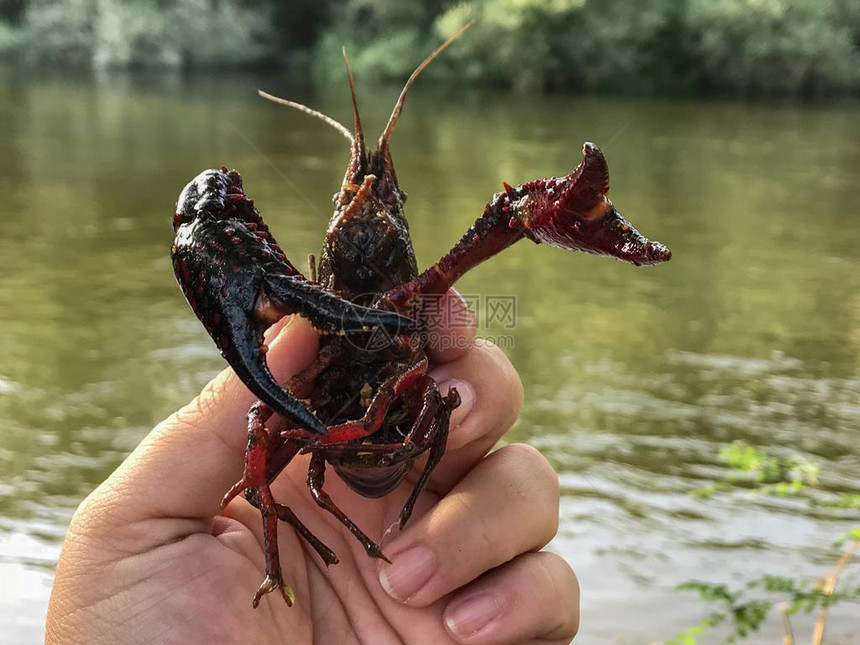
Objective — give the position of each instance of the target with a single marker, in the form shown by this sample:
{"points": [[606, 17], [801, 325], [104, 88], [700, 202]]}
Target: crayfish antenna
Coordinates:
{"points": [[358, 142], [398, 107], [340, 127]]}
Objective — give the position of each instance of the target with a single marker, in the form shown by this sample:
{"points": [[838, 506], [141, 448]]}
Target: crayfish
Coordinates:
{"points": [[370, 413]]}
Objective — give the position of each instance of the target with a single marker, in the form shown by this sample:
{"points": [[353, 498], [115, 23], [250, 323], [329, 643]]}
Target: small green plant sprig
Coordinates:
{"points": [[764, 474], [746, 608]]}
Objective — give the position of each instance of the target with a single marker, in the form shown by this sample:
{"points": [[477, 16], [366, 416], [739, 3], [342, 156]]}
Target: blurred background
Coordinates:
{"points": [[704, 415]]}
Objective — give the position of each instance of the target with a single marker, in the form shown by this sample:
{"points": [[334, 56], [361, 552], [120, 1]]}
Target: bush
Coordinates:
{"points": [[188, 33], [616, 45], [155, 33], [60, 33], [776, 46], [748, 47], [382, 37]]}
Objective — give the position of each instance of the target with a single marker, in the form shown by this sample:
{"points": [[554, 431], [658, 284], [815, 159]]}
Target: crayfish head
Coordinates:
{"points": [[574, 213], [367, 246]]}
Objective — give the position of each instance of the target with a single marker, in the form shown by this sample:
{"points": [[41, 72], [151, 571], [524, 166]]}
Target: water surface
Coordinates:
{"points": [[634, 377]]}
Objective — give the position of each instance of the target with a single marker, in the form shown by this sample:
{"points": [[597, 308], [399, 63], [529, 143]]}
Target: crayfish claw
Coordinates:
{"points": [[329, 313]]}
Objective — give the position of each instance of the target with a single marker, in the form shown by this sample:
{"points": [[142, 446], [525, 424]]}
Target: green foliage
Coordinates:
{"points": [[192, 32], [745, 615], [385, 39], [851, 536], [11, 41], [767, 475], [613, 45], [59, 32], [776, 46], [525, 44], [691, 635], [847, 500], [665, 46], [746, 608], [751, 47], [154, 33], [800, 596]]}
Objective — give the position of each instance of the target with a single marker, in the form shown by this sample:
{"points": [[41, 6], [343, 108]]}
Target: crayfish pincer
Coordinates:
{"points": [[369, 413]]}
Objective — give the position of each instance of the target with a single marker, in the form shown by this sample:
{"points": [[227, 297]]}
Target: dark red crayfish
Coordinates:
{"points": [[370, 412]]}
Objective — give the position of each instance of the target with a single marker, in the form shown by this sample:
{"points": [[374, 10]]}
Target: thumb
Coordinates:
{"points": [[186, 464]]}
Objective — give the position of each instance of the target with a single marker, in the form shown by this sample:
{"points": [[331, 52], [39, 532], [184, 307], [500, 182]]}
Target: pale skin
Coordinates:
{"points": [[150, 557]]}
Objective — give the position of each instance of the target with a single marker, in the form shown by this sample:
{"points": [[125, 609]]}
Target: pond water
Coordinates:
{"points": [[635, 377]]}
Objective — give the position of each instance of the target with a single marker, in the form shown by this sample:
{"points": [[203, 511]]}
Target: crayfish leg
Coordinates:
{"points": [[274, 577], [286, 514], [316, 480], [430, 426], [265, 456], [378, 408], [429, 431]]}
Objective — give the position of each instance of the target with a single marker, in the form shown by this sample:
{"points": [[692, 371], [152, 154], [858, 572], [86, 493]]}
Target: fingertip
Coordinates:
{"points": [[451, 328], [466, 392], [293, 346], [541, 586], [496, 398], [272, 332]]}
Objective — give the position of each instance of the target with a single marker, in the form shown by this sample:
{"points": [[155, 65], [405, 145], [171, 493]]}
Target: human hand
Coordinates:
{"points": [[149, 556]]}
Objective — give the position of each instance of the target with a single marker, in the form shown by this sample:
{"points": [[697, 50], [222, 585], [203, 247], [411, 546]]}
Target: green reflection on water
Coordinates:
{"points": [[634, 377]]}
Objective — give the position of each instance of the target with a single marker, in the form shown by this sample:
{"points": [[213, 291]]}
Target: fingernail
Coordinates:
{"points": [[461, 306], [461, 316], [469, 616], [408, 572], [467, 399]]}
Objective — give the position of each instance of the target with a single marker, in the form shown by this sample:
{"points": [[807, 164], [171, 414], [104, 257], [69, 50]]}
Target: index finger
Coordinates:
{"points": [[451, 327], [490, 389]]}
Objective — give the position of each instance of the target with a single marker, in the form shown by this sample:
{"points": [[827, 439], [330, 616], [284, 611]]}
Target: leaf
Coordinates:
{"points": [[851, 536]]}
